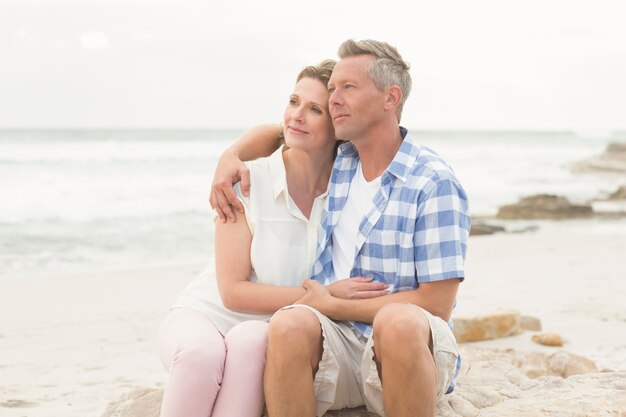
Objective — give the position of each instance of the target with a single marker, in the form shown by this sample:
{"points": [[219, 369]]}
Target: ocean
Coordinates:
{"points": [[85, 199]]}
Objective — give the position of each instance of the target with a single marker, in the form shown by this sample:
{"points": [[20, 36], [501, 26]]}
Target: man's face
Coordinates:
{"points": [[355, 103]]}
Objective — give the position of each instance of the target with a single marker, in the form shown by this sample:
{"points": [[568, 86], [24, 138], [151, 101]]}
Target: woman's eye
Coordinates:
{"points": [[316, 110]]}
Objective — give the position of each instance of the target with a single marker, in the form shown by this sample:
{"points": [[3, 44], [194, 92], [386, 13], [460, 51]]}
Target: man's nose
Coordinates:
{"points": [[334, 98]]}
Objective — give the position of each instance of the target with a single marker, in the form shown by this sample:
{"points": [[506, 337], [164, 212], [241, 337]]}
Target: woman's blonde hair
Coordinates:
{"points": [[320, 72]]}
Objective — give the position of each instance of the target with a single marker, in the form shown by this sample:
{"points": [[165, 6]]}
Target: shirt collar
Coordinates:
{"points": [[277, 172], [404, 160], [402, 163]]}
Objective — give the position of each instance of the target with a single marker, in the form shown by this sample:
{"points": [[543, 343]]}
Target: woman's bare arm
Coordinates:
{"points": [[257, 142], [233, 266]]}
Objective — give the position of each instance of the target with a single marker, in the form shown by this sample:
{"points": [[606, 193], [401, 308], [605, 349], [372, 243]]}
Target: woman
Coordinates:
{"points": [[213, 340]]}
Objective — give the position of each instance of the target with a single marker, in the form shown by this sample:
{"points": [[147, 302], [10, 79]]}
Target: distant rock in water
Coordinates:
{"points": [[544, 206], [485, 229], [617, 148], [612, 160], [620, 194]]}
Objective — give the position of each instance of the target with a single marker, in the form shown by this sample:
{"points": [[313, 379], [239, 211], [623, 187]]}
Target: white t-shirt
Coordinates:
{"points": [[358, 204], [283, 243]]}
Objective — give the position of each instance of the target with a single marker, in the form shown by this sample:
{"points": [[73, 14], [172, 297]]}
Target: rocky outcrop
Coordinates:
{"points": [[497, 389], [613, 159], [493, 382], [533, 364], [485, 229], [544, 206], [530, 323], [492, 326], [619, 194], [140, 402], [616, 148], [146, 402]]}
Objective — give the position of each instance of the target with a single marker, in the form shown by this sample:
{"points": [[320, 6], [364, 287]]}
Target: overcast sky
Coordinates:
{"points": [[487, 64]]}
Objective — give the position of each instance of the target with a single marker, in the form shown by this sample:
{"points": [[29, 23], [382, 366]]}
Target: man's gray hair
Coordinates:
{"points": [[388, 67]]}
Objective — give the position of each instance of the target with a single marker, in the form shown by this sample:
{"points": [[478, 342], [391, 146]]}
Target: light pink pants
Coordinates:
{"points": [[212, 375]]}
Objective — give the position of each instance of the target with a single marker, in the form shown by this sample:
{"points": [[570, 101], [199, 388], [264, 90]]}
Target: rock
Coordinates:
{"points": [[485, 229], [17, 404], [532, 364], [616, 148], [140, 402], [493, 383], [146, 402], [354, 412], [525, 229], [544, 206], [619, 194], [493, 326], [567, 364], [548, 339], [512, 394], [530, 323], [612, 160]]}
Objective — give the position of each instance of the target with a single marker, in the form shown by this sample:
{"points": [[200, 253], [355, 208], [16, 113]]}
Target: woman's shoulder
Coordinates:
{"points": [[267, 173]]}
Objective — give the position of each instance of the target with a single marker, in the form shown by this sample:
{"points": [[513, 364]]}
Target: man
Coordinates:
{"points": [[395, 213]]}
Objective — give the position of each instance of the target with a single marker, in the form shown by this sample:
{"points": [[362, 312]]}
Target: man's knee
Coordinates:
{"points": [[402, 326], [300, 322], [295, 331]]}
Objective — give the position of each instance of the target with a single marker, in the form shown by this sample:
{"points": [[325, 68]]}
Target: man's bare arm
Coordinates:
{"points": [[257, 142], [436, 297]]}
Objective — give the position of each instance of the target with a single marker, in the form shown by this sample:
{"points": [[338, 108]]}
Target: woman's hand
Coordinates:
{"points": [[358, 288], [223, 199]]}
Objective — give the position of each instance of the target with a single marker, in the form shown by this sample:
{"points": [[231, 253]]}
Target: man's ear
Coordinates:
{"points": [[394, 97]]}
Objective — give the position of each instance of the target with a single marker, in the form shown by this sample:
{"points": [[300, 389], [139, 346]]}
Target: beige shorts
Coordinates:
{"points": [[347, 376]]}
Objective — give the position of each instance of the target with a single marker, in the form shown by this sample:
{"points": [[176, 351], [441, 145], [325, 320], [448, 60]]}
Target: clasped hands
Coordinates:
{"points": [[323, 298]]}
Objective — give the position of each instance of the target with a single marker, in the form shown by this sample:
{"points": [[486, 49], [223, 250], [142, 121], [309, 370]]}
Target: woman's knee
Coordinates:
{"points": [[248, 338], [189, 339], [201, 355]]}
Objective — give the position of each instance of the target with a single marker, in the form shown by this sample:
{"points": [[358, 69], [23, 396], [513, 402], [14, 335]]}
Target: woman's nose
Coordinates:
{"points": [[298, 113]]}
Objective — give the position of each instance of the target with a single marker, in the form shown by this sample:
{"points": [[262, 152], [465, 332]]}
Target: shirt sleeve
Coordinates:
{"points": [[441, 232], [247, 204]]}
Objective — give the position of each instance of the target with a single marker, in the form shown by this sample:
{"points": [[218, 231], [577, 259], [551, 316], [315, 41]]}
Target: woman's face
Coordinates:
{"points": [[306, 122]]}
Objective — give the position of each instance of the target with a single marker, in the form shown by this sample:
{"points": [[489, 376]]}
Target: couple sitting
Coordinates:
{"points": [[335, 287]]}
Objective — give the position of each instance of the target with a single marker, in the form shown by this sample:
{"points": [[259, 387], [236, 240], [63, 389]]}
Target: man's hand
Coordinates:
{"points": [[317, 296], [223, 199], [358, 288]]}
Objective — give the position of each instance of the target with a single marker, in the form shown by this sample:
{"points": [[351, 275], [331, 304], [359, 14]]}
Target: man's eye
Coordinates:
{"points": [[331, 90], [293, 101]]}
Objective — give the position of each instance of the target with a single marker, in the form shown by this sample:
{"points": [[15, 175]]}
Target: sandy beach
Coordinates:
{"points": [[71, 343]]}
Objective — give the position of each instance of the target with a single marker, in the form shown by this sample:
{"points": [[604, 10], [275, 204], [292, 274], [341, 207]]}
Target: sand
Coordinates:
{"points": [[70, 343]]}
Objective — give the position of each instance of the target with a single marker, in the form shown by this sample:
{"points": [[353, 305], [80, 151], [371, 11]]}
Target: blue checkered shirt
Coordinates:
{"points": [[416, 229]]}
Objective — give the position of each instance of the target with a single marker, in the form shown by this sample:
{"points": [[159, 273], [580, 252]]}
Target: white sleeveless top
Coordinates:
{"points": [[283, 243]]}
